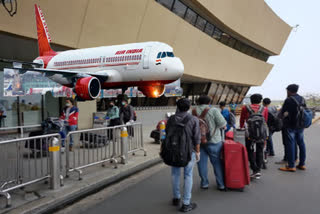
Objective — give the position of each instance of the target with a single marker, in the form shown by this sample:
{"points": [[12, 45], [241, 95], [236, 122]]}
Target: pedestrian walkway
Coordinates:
{"points": [[276, 192], [38, 197]]}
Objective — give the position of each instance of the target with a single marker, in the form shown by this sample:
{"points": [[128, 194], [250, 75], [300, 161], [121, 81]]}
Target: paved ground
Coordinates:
{"points": [[38, 194], [276, 192]]}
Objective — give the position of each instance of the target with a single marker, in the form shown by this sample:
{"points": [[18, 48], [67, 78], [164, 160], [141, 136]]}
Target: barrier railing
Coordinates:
{"points": [[8, 133], [25, 161], [139, 108], [91, 147], [135, 138]]}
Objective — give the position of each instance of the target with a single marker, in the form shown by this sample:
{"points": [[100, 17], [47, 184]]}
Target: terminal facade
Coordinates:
{"points": [[224, 45]]}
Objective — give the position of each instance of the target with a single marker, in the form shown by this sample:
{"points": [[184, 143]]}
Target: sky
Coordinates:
{"points": [[299, 61]]}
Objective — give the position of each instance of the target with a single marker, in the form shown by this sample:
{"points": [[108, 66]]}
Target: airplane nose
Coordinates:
{"points": [[179, 68]]}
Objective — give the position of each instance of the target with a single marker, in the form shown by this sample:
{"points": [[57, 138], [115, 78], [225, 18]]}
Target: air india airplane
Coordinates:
{"points": [[148, 65]]}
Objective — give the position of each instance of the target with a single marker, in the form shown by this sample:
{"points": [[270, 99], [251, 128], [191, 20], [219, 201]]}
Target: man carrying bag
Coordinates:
{"points": [[181, 149]]}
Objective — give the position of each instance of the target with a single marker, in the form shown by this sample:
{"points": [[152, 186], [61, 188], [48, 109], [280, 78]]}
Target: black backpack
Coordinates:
{"points": [[257, 126], [274, 123], [176, 149]]}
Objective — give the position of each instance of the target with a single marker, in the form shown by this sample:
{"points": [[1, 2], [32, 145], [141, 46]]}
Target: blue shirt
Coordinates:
{"points": [[226, 114]]}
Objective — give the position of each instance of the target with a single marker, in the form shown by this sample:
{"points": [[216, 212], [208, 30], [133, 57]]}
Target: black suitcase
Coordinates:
{"points": [[155, 134]]}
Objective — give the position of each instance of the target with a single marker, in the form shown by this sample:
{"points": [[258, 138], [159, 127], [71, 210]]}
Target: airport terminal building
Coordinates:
{"points": [[224, 44]]}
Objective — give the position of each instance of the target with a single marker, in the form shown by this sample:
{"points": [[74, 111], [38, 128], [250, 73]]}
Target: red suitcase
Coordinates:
{"points": [[236, 165]]}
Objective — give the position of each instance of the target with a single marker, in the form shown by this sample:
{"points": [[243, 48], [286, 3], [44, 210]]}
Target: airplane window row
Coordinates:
{"points": [[98, 60], [77, 62], [122, 58], [165, 54]]}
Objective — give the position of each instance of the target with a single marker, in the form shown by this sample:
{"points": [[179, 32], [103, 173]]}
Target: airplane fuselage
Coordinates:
{"points": [[136, 64]]}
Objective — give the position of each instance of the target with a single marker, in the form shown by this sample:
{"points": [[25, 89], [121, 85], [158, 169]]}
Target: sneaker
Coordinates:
{"points": [[301, 167], [271, 154], [258, 175], [204, 187], [255, 175], [70, 148], [287, 169], [281, 162], [186, 208], [222, 189], [176, 201]]}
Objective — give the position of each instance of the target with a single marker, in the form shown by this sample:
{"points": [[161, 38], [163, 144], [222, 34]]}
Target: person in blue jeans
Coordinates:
{"points": [[70, 116], [188, 181], [193, 132], [212, 149], [293, 133]]}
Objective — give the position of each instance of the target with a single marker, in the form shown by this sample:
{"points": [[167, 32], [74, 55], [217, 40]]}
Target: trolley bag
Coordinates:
{"points": [[236, 165], [155, 134]]}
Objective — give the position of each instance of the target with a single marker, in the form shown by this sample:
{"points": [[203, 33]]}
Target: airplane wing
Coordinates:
{"points": [[102, 76]]}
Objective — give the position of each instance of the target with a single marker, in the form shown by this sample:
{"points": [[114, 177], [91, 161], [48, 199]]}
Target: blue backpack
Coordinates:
{"points": [[304, 115]]}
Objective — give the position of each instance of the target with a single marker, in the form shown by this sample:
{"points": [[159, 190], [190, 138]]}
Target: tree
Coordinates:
{"points": [[312, 99]]}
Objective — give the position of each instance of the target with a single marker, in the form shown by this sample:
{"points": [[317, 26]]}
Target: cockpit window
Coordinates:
{"points": [[170, 54], [163, 55], [159, 55]]}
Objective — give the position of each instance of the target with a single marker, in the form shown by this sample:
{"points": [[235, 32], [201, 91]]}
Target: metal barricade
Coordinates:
{"points": [[100, 145], [135, 138], [91, 147], [8, 133], [24, 161]]}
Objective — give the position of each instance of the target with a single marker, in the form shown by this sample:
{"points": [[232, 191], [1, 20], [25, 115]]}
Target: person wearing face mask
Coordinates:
{"points": [[70, 115], [127, 115], [113, 114], [126, 112]]}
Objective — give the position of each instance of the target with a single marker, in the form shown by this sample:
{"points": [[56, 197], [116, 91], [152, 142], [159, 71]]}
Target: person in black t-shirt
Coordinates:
{"points": [[293, 134]]}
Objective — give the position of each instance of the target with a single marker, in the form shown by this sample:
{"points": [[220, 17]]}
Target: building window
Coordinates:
{"points": [[179, 8], [191, 16], [195, 19], [231, 42], [217, 33], [201, 22], [209, 29], [224, 38], [166, 3]]}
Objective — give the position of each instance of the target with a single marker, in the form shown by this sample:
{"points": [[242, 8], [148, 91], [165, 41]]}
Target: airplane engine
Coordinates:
{"points": [[152, 91], [87, 88]]}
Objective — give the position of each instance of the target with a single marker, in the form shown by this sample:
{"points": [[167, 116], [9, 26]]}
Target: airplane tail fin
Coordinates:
{"points": [[43, 34]]}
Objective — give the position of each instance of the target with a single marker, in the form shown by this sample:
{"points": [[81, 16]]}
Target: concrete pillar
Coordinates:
{"points": [[86, 110]]}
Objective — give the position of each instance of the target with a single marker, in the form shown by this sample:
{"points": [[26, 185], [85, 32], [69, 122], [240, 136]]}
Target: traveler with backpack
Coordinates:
{"points": [[296, 118], [274, 124], [228, 116], [255, 117], [127, 114], [181, 149], [211, 121]]}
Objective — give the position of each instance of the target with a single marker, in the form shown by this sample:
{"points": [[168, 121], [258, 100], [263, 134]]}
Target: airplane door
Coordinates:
{"points": [[146, 57], [102, 61]]}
